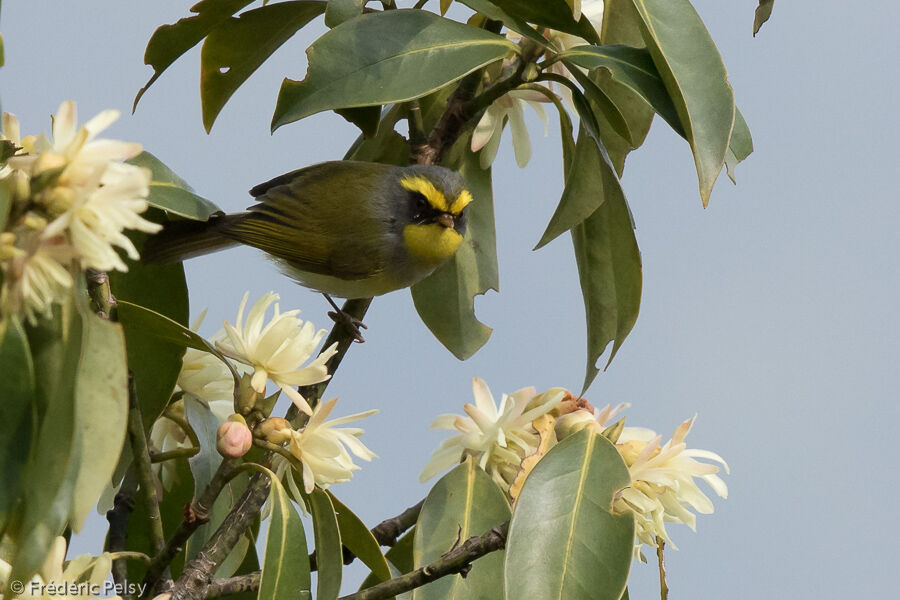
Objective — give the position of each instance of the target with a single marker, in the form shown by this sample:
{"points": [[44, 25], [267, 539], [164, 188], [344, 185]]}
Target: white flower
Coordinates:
{"points": [[94, 196], [35, 270], [322, 447], [498, 438], [663, 485], [593, 10], [277, 350], [511, 107], [74, 579]]}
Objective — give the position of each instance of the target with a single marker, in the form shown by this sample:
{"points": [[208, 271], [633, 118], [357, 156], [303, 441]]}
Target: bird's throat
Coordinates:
{"points": [[431, 243]]}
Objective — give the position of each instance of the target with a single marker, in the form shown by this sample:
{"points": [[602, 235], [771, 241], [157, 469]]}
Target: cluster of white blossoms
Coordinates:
{"points": [[510, 108], [279, 351], [664, 477], [498, 438], [83, 577], [71, 199]]}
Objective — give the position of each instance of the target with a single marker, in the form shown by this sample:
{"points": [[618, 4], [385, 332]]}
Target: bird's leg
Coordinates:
{"points": [[352, 324]]}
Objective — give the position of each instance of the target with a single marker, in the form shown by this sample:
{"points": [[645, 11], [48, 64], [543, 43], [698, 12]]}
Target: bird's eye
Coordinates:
{"points": [[421, 202]]}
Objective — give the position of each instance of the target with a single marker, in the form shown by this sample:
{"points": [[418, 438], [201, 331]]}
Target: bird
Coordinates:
{"points": [[345, 228]]}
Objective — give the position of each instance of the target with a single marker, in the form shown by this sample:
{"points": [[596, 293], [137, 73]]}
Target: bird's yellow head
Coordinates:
{"points": [[436, 199]]}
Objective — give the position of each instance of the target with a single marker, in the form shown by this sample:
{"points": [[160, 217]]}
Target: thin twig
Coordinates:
{"points": [[458, 560], [143, 469], [663, 586], [158, 457], [196, 514], [118, 516]]}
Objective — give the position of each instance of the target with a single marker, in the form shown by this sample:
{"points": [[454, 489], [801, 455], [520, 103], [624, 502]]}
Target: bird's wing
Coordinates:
{"points": [[320, 220]]}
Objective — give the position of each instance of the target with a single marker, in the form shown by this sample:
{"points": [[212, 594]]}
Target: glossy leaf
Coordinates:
{"points": [[564, 541], [555, 14], [386, 57], [101, 410], [239, 45], [463, 503], [205, 424], [17, 389], [589, 179], [163, 328], [400, 558], [763, 12], [740, 146], [602, 103], [357, 538], [364, 117], [329, 554], [633, 68], [339, 11], [446, 299], [154, 362], [609, 269], [171, 193], [49, 477], [512, 21], [169, 42], [285, 568], [692, 70]]}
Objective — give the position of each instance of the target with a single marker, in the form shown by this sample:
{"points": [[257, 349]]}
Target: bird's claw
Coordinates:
{"points": [[350, 323]]}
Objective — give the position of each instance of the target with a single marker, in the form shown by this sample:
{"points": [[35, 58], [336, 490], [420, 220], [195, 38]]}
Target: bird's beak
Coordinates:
{"points": [[447, 220]]}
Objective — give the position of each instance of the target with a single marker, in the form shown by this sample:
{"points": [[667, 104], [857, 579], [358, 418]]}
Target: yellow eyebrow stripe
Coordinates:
{"points": [[434, 196], [426, 188], [461, 202]]}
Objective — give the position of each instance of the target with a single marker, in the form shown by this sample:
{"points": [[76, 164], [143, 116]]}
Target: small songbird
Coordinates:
{"points": [[345, 228]]}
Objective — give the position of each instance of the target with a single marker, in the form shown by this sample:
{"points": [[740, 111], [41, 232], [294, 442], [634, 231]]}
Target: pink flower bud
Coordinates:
{"points": [[233, 440]]}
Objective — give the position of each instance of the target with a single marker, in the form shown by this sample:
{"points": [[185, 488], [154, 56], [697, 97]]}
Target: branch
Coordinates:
{"points": [[458, 560], [118, 516], [387, 532], [147, 480], [196, 514]]}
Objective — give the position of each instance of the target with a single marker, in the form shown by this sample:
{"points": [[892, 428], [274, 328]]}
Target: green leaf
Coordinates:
{"points": [[285, 568], [2, 53], [400, 557], [171, 193], [463, 503], [101, 410], [564, 541], [329, 554], [609, 269], [5, 206], [763, 12], [339, 11], [446, 299], [163, 328], [692, 70], [357, 538], [49, 477], [205, 424], [7, 149], [364, 117], [154, 362], [169, 42], [238, 46], [740, 146], [589, 180], [603, 103], [633, 68], [384, 58], [386, 146], [555, 14], [512, 21], [17, 389]]}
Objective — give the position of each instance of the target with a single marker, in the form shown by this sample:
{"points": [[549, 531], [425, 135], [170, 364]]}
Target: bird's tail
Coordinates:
{"points": [[180, 240]]}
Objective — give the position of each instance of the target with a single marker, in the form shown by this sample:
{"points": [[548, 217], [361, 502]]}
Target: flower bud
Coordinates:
{"points": [[247, 396], [275, 430], [233, 439], [574, 422]]}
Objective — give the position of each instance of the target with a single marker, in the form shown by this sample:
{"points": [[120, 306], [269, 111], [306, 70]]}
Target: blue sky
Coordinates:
{"points": [[771, 314]]}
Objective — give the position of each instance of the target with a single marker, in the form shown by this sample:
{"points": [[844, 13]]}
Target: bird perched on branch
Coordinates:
{"points": [[344, 228]]}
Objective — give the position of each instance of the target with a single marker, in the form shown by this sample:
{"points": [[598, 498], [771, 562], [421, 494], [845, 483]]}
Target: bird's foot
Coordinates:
{"points": [[350, 323]]}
